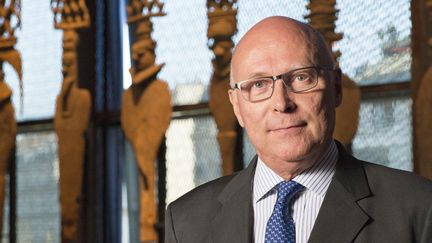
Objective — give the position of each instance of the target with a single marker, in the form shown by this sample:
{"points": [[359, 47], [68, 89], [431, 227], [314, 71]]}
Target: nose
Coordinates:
{"points": [[281, 98]]}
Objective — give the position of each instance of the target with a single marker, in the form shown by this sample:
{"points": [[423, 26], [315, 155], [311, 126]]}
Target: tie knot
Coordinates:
{"points": [[287, 190]]}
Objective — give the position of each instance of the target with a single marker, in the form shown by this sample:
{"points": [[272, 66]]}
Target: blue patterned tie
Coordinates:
{"points": [[280, 227]]}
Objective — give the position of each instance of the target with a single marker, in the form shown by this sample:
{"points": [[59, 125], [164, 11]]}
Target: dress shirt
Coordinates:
{"points": [[305, 208]]}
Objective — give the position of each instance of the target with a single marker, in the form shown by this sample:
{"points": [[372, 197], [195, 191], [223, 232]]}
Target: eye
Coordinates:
{"points": [[301, 77], [258, 84]]}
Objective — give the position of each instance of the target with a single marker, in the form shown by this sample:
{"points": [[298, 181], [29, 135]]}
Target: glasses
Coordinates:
{"points": [[297, 80]]}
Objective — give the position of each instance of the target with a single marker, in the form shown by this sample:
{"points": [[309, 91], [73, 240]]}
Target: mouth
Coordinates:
{"points": [[289, 129]]}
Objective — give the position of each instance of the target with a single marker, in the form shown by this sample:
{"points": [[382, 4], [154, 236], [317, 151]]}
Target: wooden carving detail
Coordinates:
{"points": [[73, 106], [146, 109], [322, 17], [222, 26], [70, 14], [423, 115], [10, 20]]}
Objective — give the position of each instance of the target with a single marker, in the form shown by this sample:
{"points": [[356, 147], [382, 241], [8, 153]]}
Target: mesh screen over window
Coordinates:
{"points": [[40, 47], [38, 210], [377, 37], [384, 135], [250, 12], [192, 155], [181, 38]]}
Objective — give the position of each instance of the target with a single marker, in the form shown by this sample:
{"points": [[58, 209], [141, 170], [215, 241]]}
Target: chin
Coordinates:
{"points": [[297, 151]]}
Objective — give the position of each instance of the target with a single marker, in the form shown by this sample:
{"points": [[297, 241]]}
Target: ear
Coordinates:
{"points": [[233, 96], [337, 81]]}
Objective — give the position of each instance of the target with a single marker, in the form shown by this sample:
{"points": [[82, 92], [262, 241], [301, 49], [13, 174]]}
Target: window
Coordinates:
{"points": [[376, 51]]}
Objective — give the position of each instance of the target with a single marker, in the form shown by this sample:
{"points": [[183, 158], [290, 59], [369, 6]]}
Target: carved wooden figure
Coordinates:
{"points": [[222, 26], [422, 98], [322, 17], [146, 110], [7, 137], [73, 107], [8, 126], [8, 12]]}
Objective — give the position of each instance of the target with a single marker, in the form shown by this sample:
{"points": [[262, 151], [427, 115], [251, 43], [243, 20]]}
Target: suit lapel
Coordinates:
{"points": [[340, 218], [234, 221]]}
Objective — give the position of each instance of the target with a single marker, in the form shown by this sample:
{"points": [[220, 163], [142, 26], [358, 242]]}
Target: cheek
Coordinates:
{"points": [[319, 115], [254, 122], [252, 114]]}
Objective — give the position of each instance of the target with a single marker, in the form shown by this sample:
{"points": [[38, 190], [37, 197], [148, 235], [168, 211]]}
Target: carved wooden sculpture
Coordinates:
{"points": [[7, 117], [423, 115], [146, 109], [73, 106], [222, 26], [322, 17]]}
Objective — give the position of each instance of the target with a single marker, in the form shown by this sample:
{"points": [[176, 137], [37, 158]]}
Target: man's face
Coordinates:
{"points": [[287, 127]]}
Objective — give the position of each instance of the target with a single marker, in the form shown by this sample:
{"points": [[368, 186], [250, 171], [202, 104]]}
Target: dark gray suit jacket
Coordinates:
{"points": [[364, 203]]}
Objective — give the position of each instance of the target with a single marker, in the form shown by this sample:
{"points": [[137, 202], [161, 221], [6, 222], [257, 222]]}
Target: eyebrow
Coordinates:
{"points": [[264, 74], [259, 75]]}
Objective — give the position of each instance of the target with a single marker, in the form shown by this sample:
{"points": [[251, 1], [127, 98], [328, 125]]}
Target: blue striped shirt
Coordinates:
{"points": [[305, 208]]}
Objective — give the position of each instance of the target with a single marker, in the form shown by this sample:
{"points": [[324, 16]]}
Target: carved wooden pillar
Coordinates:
{"points": [[422, 101], [146, 109], [322, 17], [8, 11], [73, 107], [222, 26]]}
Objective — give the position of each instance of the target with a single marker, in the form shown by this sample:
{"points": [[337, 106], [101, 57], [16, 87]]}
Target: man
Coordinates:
{"points": [[302, 186]]}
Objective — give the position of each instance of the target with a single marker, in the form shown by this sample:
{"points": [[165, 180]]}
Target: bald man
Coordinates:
{"points": [[302, 186]]}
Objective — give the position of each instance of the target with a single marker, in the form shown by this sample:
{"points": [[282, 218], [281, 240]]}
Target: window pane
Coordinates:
{"points": [[250, 12], [41, 50], [384, 135], [38, 211], [181, 38], [377, 37], [193, 156]]}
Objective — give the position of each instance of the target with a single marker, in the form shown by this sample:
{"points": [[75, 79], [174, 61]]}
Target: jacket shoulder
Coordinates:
{"points": [[201, 202], [400, 206], [394, 180], [190, 215], [206, 191]]}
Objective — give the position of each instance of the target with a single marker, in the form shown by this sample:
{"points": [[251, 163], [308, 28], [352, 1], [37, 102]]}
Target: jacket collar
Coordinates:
{"points": [[340, 218]]}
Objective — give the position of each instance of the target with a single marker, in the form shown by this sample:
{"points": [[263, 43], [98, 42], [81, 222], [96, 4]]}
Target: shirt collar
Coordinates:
{"points": [[265, 180], [317, 178]]}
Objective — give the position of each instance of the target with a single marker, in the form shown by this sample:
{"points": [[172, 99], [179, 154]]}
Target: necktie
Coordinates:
{"points": [[280, 227]]}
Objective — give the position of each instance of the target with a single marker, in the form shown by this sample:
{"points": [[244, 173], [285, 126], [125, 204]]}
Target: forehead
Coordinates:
{"points": [[271, 53]]}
